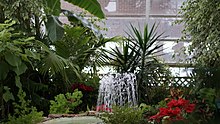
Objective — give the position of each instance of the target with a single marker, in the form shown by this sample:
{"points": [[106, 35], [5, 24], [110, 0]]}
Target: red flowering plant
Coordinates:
{"points": [[176, 110], [103, 108], [83, 87]]}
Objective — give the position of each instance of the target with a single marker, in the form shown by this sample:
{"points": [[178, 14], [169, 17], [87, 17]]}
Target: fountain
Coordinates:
{"points": [[117, 89]]}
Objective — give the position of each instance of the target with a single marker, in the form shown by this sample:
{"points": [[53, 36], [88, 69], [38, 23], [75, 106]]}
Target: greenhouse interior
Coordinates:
{"points": [[109, 62]]}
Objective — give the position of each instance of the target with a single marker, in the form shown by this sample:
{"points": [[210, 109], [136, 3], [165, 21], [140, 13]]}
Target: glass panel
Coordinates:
{"points": [[124, 7], [173, 52], [118, 26], [181, 72], [165, 6], [167, 26]]}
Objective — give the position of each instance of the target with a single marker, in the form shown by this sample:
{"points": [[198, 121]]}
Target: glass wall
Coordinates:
{"points": [[121, 13]]}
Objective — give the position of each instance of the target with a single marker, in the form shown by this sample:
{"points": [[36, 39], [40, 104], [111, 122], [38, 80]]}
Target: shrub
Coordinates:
{"points": [[123, 115], [176, 110], [64, 104], [23, 113]]}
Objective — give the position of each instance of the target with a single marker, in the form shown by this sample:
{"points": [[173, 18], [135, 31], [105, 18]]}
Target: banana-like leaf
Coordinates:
{"points": [[53, 7], [72, 17], [92, 6], [54, 28]]}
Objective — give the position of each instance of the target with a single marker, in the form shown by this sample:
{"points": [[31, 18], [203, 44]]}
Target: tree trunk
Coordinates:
{"points": [[2, 101], [2, 16]]}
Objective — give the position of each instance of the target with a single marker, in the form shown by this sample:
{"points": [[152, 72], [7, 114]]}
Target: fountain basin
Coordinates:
{"points": [[75, 120]]}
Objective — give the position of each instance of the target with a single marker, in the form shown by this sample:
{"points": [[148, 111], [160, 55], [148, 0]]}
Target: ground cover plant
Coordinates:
{"points": [[123, 115]]}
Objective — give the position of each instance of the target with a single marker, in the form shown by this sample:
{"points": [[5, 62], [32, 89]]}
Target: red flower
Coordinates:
{"points": [[190, 108], [82, 87], [103, 108], [172, 103], [175, 110], [182, 102]]}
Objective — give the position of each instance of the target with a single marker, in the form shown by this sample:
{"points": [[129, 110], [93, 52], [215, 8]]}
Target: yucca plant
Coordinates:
{"points": [[138, 53], [122, 58]]}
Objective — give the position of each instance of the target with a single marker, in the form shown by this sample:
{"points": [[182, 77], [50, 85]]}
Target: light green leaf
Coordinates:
{"points": [[54, 28], [91, 6], [8, 95], [12, 59], [29, 39], [20, 69], [2, 48], [32, 54]]}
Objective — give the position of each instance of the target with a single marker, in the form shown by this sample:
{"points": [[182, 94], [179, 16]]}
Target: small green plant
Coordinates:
{"points": [[123, 115], [24, 114], [64, 104]]}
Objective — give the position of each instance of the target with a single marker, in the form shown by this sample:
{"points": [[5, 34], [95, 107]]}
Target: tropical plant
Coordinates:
{"points": [[34, 63], [138, 54], [30, 16], [15, 58], [122, 58]]}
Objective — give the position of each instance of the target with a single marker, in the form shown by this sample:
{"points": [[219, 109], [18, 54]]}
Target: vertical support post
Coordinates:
{"points": [[147, 12]]}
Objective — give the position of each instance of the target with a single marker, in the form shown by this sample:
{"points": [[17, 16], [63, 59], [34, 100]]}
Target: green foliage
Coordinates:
{"points": [[54, 28], [24, 113], [200, 19], [205, 105], [31, 64], [138, 53], [8, 95], [65, 103], [122, 58], [123, 115]]}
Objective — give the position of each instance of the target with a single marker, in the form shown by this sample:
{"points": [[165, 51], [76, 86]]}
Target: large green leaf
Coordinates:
{"points": [[53, 7], [54, 28], [91, 6], [72, 17], [20, 69], [12, 59]]}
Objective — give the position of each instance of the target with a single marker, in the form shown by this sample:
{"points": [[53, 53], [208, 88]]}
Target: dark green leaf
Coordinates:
{"points": [[4, 69], [12, 59], [20, 69]]}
